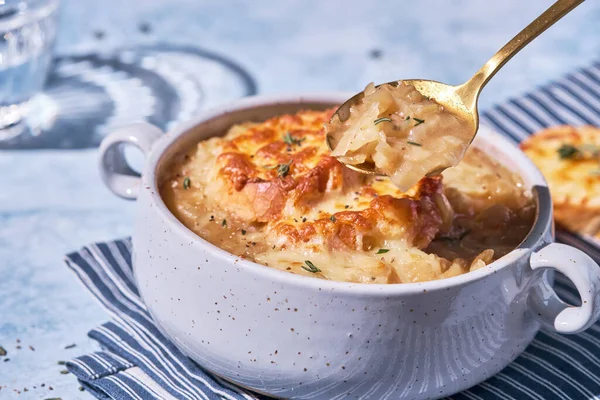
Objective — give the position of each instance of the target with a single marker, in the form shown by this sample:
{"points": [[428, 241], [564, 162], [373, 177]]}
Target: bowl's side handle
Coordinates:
{"points": [[116, 173], [585, 275]]}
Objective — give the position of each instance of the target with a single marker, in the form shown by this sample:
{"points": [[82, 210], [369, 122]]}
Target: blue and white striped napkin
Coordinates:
{"points": [[138, 362]]}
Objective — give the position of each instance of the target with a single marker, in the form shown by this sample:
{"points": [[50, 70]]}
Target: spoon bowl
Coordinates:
{"points": [[460, 100], [450, 97]]}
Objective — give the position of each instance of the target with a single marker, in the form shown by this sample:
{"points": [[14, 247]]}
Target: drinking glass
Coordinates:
{"points": [[27, 33]]}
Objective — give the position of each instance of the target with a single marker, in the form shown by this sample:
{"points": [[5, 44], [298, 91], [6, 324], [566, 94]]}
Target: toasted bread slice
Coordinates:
{"points": [[566, 156]]}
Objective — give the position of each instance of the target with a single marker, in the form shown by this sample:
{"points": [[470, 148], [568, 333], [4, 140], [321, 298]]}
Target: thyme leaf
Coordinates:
{"points": [[382, 119], [311, 267], [290, 140], [567, 151], [283, 169]]}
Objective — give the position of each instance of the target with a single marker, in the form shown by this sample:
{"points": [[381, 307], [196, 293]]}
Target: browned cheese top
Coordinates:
{"points": [[271, 192]]}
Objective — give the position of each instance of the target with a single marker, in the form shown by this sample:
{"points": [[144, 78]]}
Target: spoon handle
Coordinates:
{"points": [[469, 91]]}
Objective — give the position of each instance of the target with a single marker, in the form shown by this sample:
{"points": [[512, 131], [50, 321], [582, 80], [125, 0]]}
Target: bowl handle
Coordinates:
{"points": [[116, 173], [585, 275]]}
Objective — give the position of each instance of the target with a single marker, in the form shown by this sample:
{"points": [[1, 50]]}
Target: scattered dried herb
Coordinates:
{"points": [[145, 27], [224, 223], [186, 183], [381, 251], [81, 389], [3, 351], [567, 151], [382, 119], [332, 218], [407, 118], [243, 231], [414, 143], [283, 169], [61, 362], [419, 121], [70, 346], [64, 372], [289, 139], [311, 267]]}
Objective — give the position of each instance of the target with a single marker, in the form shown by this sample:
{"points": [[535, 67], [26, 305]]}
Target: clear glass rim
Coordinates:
{"points": [[40, 11]]}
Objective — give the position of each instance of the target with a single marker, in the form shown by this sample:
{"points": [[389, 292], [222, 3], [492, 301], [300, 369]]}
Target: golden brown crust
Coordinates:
{"points": [[574, 182], [271, 192]]}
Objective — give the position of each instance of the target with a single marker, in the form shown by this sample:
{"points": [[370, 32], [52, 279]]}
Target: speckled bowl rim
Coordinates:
{"points": [[537, 236]]}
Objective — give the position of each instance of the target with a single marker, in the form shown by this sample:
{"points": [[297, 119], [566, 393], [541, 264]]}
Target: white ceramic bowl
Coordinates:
{"points": [[298, 337]]}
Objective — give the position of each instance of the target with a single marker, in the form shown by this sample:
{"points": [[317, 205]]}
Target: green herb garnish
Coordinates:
{"points": [[224, 223], [3, 351], [289, 139], [64, 372], [382, 251], [186, 183], [407, 118], [567, 151], [383, 119], [283, 169], [419, 121], [414, 143], [311, 267], [243, 231], [332, 218]]}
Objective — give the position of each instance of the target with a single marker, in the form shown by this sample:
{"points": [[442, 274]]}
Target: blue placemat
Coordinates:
{"points": [[138, 362]]}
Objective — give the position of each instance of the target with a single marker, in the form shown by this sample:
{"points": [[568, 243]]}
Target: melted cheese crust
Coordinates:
{"points": [[574, 182], [272, 193]]}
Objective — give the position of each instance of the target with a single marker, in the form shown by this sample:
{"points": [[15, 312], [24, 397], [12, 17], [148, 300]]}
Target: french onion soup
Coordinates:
{"points": [[272, 192]]}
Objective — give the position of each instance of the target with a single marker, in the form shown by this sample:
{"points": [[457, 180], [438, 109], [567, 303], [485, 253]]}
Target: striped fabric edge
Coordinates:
{"points": [[108, 376], [572, 100], [105, 270], [553, 367]]}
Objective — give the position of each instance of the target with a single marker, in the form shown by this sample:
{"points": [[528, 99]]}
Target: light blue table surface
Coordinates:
{"points": [[52, 202]]}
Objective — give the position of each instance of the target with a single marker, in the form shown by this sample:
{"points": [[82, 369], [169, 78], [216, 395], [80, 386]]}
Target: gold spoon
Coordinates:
{"points": [[461, 100]]}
